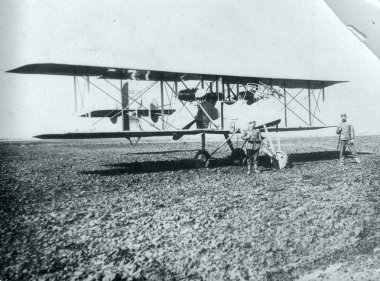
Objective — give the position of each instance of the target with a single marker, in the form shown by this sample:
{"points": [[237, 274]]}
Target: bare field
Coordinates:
{"points": [[100, 210]]}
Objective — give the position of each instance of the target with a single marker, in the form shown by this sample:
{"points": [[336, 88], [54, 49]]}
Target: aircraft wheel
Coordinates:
{"points": [[202, 157], [237, 156], [281, 161]]}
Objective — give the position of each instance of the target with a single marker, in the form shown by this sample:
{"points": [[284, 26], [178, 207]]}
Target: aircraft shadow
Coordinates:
{"points": [[156, 166], [191, 164], [162, 152]]}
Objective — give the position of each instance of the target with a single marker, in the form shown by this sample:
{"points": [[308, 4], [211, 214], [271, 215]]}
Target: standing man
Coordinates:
{"points": [[346, 139], [253, 138]]}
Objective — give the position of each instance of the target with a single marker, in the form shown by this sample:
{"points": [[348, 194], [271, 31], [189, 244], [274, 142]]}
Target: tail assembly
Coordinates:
{"points": [[113, 114], [126, 113]]}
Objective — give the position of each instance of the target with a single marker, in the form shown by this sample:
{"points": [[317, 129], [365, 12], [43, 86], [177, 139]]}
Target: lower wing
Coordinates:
{"points": [[129, 134]]}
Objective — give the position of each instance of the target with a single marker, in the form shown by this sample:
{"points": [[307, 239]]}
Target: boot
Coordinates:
{"points": [[357, 160], [249, 169], [256, 169]]}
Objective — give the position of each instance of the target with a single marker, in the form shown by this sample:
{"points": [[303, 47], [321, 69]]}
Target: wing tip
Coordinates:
{"points": [[48, 136], [12, 70], [39, 137], [21, 69]]}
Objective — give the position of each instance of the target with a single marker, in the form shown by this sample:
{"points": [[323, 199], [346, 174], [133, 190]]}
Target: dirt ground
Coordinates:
{"points": [[100, 210]]}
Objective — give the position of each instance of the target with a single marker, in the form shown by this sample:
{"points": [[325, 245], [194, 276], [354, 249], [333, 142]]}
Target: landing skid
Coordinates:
{"points": [[279, 158]]}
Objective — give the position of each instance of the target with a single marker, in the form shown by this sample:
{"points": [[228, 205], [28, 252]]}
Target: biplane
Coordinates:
{"points": [[205, 104]]}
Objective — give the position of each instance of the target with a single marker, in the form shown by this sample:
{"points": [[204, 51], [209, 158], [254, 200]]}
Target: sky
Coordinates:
{"points": [[274, 38]]}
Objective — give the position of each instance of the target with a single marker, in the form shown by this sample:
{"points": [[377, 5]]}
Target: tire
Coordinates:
{"points": [[237, 156], [281, 161], [201, 157]]}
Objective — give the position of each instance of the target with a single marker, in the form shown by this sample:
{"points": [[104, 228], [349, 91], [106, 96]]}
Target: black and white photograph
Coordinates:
{"points": [[181, 140]]}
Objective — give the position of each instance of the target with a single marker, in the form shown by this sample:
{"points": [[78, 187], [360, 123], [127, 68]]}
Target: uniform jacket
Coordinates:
{"points": [[253, 138], [346, 131]]}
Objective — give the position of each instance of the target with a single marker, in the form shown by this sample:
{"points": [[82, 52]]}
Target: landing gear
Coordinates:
{"points": [[279, 158], [202, 157]]}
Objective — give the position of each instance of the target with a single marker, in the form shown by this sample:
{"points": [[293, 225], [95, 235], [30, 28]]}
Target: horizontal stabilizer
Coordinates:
{"points": [[112, 113], [103, 113]]}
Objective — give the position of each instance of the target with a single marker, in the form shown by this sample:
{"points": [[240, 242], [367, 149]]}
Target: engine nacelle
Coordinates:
{"points": [[198, 94], [187, 95]]}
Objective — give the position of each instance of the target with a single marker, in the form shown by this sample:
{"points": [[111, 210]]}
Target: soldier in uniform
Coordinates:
{"points": [[346, 139], [253, 137]]}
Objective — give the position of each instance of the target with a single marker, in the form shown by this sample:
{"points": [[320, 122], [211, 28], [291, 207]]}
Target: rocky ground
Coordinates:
{"points": [[100, 210]]}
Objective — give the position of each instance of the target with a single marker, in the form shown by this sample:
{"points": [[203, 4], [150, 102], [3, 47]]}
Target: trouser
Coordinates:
{"points": [[346, 143], [252, 156]]}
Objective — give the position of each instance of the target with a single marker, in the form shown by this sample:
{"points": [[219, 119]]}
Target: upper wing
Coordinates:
{"points": [[158, 75]]}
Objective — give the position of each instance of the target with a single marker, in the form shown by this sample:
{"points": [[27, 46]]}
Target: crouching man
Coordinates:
{"points": [[253, 137], [346, 139]]}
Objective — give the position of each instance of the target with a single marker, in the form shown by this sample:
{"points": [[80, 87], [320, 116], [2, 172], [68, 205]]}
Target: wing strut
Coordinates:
{"points": [[75, 93], [228, 140], [285, 104], [162, 104], [309, 100]]}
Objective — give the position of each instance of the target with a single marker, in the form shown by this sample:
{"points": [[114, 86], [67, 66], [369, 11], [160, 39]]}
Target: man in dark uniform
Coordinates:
{"points": [[346, 139], [253, 138]]}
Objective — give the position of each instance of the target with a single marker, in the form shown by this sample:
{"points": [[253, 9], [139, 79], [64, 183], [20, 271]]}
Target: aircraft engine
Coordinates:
{"points": [[187, 95], [199, 94], [248, 96]]}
